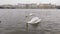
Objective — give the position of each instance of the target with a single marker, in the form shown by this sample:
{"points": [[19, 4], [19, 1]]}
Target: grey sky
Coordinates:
{"points": [[29, 1]]}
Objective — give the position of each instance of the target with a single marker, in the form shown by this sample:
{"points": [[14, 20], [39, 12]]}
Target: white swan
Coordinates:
{"points": [[34, 20]]}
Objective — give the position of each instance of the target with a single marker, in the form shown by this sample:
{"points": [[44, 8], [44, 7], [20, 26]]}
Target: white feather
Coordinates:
{"points": [[34, 20]]}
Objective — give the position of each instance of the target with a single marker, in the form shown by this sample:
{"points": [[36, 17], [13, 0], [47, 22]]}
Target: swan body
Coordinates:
{"points": [[34, 20]]}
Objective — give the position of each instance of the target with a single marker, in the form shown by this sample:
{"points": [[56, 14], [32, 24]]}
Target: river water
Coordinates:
{"points": [[13, 21]]}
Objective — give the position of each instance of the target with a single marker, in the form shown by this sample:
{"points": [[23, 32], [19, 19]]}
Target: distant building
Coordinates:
{"points": [[26, 6], [46, 6], [20, 6], [32, 6]]}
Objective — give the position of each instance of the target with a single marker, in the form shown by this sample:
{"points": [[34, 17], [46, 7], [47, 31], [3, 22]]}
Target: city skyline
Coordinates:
{"points": [[29, 1]]}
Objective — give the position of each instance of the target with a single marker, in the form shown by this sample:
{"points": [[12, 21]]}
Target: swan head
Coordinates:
{"points": [[31, 14]]}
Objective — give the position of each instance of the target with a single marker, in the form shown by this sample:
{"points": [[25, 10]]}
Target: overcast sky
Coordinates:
{"points": [[57, 2]]}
